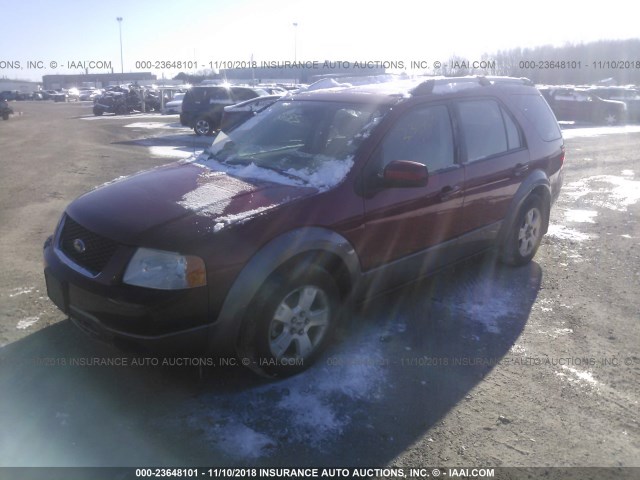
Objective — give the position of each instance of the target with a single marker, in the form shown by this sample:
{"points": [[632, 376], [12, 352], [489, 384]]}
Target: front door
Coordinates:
{"points": [[403, 221]]}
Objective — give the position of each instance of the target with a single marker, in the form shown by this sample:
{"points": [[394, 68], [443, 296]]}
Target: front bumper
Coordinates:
{"points": [[155, 320]]}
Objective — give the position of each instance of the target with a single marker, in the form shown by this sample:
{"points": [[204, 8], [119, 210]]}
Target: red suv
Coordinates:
{"points": [[253, 248]]}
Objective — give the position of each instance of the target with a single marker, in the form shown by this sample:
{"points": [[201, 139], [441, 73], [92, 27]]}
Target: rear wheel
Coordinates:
{"points": [[611, 118], [202, 127], [5, 116], [525, 236], [290, 321]]}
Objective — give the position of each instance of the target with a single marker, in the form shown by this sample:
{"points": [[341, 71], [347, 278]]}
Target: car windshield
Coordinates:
{"points": [[299, 138]]}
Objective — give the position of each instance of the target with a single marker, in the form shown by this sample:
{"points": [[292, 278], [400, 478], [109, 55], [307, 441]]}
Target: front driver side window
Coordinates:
{"points": [[422, 135]]}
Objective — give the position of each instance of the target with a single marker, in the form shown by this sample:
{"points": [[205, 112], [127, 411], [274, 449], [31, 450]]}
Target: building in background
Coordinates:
{"points": [[97, 80], [22, 86]]}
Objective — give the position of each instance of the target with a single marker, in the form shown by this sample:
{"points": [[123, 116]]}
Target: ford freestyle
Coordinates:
{"points": [[254, 247]]}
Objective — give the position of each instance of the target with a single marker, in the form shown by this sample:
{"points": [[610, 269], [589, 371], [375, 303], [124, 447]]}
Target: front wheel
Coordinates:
{"points": [[290, 321], [5, 116], [525, 236]]}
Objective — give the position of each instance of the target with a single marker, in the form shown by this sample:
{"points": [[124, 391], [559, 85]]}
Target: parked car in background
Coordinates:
{"points": [[121, 100], [234, 115], [573, 104], [8, 95], [630, 96], [85, 94], [202, 106], [272, 89], [58, 96], [325, 198], [5, 109], [73, 94], [174, 106], [117, 102]]}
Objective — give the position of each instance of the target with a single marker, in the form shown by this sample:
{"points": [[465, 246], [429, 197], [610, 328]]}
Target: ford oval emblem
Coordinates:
{"points": [[79, 246]]}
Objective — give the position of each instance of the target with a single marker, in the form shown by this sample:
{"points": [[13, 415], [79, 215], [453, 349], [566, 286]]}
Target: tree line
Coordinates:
{"points": [[607, 61]]}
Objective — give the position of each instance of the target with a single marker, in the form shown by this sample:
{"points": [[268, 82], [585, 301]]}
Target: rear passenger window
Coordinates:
{"points": [[484, 128], [537, 111]]}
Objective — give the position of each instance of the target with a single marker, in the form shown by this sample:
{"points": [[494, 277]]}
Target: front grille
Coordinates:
{"points": [[89, 250]]}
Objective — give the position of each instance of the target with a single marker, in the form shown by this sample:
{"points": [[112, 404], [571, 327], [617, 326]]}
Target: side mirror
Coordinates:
{"points": [[405, 173]]}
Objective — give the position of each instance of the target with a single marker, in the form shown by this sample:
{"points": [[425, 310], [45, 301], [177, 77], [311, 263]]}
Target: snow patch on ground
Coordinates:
{"points": [[238, 440], [578, 376], [557, 332], [608, 191], [627, 173], [27, 322], [21, 291], [170, 152], [156, 126], [312, 409], [597, 131], [119, 117], [489, 310], [580, 216], [564, 233]]}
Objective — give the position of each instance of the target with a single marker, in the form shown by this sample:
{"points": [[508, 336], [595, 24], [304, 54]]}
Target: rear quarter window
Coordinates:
{"points": [[538, 112]]}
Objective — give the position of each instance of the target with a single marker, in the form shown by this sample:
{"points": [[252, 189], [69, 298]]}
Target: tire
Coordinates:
{"points": [[611, 118], [97, 111], [290, 322], [5, 116], [202, 127], [522, 242]]}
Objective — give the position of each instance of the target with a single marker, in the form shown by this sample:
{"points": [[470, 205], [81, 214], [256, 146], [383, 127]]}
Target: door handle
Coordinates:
{"points": [[449, 192], [520, 169]]}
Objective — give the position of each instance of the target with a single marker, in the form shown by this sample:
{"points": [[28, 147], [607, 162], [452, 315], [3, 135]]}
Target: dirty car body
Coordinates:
{"points": [[254, 248]]}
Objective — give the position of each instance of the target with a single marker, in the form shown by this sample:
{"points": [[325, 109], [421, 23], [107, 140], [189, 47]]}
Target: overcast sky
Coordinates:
{"points": [[351, 30]]}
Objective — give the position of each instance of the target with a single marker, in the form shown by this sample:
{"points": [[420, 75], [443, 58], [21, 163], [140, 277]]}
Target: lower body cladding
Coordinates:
{"points": [[160, 321]]}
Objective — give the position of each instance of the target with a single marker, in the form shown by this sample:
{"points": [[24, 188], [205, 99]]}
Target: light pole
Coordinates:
{"points": [[119, 19], [295, 41]]}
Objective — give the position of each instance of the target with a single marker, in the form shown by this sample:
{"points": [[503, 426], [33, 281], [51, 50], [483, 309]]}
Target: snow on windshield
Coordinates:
{"points": [[302, 143], [328, 174]]}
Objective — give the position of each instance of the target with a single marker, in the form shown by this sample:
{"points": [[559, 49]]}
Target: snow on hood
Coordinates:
{"points": [[168, 197], [230, 199]]}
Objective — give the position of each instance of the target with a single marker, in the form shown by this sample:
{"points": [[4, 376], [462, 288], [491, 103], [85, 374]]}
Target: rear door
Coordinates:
{"points": [[496, 161]]}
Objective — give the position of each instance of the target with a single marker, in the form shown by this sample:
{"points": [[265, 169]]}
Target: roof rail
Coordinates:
{"points": [[454, 83]]}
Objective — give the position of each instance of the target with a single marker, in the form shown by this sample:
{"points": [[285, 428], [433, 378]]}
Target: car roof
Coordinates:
{"points": [[393, 91]]}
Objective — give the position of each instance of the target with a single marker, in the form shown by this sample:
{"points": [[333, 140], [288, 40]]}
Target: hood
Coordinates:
{"points": [[151, 204]]}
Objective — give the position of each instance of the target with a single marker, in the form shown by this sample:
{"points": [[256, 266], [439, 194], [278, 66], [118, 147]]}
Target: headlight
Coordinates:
{"points": [[165, 270]]}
